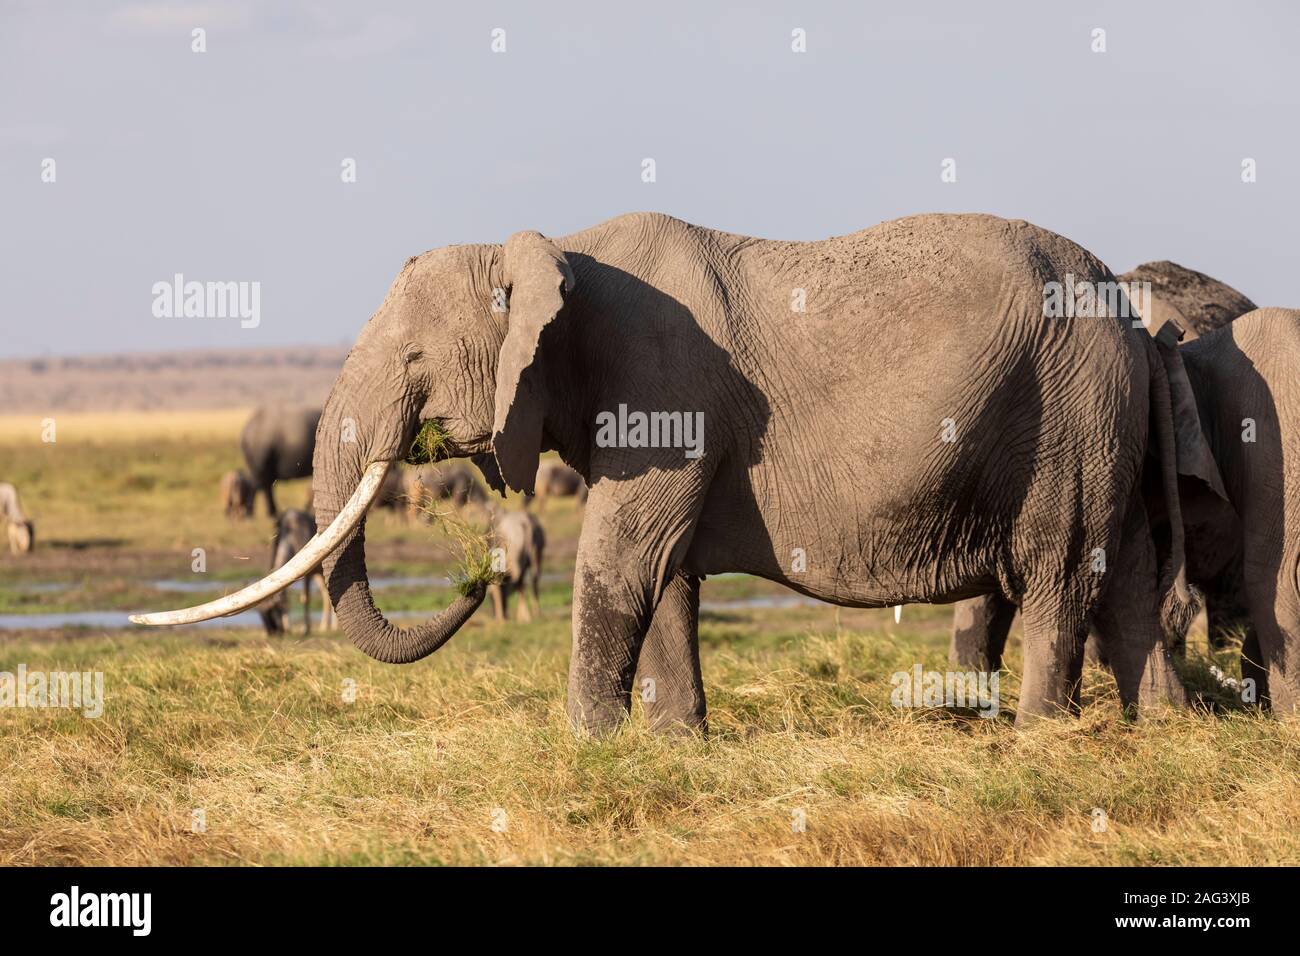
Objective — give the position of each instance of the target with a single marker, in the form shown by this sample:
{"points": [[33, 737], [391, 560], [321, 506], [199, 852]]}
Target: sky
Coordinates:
{"points": [[228, 165]]}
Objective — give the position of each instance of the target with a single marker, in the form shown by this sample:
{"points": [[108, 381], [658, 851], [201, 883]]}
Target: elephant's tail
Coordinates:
{"points": [[1173, 577]]}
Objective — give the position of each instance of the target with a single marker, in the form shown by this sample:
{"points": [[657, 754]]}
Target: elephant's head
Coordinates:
{"points": [[455, 342]]}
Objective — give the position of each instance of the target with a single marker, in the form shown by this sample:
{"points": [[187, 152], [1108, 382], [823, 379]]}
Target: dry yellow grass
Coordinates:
{"points": [[87, 428], [467, 759]]}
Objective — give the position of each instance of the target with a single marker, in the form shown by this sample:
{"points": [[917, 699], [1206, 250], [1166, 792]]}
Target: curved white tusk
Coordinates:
{"points": [[292, 570]]}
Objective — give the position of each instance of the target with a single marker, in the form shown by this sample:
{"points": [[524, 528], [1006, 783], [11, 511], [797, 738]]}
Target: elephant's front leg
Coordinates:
{"points": [[634, 536], [668, 676]]}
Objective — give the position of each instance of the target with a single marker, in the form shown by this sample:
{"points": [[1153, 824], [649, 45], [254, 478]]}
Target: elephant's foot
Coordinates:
{"points": [[681, 727], [597, 717], [1160, 686], [1052, 678], [1032, 713], [677, 718], [1283, 695]]}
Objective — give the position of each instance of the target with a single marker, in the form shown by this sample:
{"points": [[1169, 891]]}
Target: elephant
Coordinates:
{"points": [[1198, 304], [519, 534], [293, 530], [1245, 378], [892, 417], [278, 443], [19, 529], [555, 479], [236, 495], [450, 482]]}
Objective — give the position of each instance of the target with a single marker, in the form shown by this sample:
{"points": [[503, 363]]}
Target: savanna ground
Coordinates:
{"points": [[466, 757]]}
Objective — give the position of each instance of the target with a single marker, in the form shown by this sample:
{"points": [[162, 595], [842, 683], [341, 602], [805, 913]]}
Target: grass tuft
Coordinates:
{"points": [[470, 546], [431, 443]]}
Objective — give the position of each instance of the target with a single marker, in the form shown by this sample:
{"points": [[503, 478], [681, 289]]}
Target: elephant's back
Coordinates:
{"points": [[281, 439], [1267, 340], [926, 363], [1254, 360], [926, 311]]}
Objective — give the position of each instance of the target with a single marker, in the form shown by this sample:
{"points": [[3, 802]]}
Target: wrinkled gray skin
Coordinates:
{"points": [[555, 479], [427, 485], [824, 436], [19, 530], [1198, 304], [520, 535], [236, 495], [293, 529], [1250, 370], [278, 443]]}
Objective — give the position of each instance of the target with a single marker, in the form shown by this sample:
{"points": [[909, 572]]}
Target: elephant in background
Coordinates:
{"points": [[1197, 304], [429, 484], [293, 529], [236, 495], [519, 534], [921, 432], [555, 479], [19, 529], [1246, 378], [393, 494], [278, 444]]}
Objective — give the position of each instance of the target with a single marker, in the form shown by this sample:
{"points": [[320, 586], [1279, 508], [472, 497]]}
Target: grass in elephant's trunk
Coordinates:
{"points": [[471, 550]]}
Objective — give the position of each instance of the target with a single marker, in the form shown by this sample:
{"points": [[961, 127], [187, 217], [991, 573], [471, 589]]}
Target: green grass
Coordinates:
{"points": [[430, 444]]}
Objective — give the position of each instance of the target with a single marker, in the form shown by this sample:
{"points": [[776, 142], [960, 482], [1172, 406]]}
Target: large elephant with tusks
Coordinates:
{"points": [[888, 417]]}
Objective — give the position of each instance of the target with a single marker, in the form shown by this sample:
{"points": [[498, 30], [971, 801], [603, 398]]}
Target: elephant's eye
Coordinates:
{"points": [[414, 355]]}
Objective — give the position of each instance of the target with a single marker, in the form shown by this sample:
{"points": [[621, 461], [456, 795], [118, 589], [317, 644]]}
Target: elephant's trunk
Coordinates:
{"points": [[363, 622], [337, 471]]}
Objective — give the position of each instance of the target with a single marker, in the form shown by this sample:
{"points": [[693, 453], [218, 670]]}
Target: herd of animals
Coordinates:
{"points": [[893, 416], [278, 443]]}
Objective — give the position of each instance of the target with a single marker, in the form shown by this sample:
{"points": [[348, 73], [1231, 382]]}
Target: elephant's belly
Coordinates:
{"points": [[874, 563]]}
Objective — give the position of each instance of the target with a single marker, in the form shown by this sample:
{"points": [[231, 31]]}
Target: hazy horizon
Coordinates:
{"points": [[224, 166]]}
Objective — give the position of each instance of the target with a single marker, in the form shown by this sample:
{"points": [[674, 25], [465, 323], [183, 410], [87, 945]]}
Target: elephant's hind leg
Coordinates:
{"points": [[1128, 620], [668, 676], [1056, 626], [979, 631]]}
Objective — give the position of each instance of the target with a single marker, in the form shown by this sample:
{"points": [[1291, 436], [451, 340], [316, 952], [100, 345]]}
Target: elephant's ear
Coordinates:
{"points": [[487, 465], [537, 277]]}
